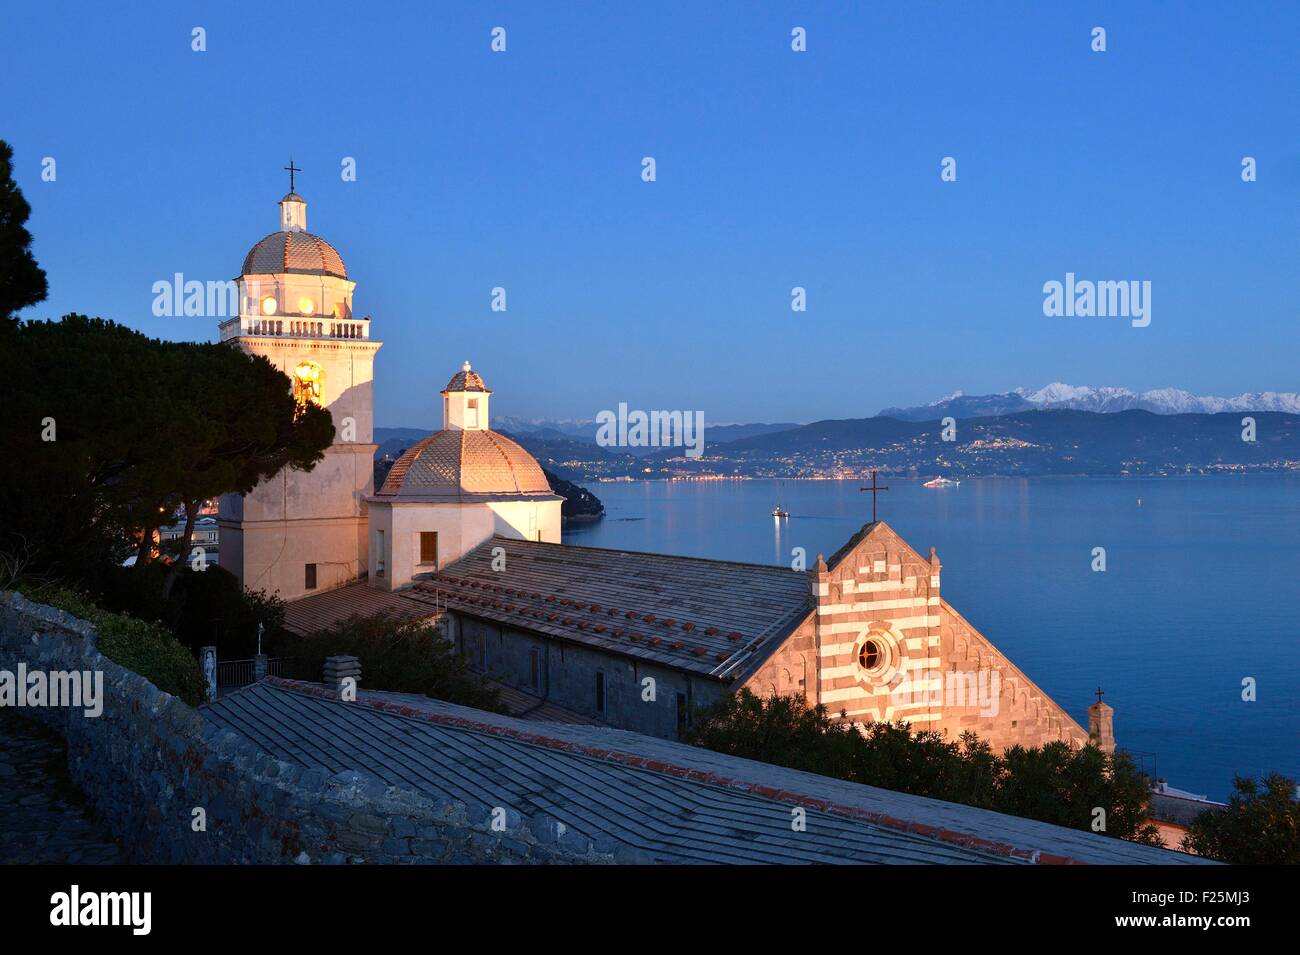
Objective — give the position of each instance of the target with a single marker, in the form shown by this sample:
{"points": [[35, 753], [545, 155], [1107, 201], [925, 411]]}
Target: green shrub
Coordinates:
{"points": [[148, 649], [411, 657], [1054, 783], [204, 608], [1259, 826]]}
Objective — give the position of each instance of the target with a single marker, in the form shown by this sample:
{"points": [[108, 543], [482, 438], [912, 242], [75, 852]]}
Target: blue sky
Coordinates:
{"points": [[775, 169]]}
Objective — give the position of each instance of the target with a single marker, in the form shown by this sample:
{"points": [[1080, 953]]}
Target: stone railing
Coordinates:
{"points": [[174, 789]]}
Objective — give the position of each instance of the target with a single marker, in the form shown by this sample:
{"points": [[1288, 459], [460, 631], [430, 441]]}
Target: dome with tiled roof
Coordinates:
{"points": [[459, 463], [466, 460], [467, 379], [295, 252], [293, 249]]}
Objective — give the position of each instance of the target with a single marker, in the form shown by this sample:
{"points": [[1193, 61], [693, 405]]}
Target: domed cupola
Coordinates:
{"points": [[466, 459], [294, 250], [465, 465], [294, 284], [455, 489]]}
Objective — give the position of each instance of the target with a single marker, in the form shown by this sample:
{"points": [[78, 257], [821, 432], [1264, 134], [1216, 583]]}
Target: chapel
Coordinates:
{"points": [[465, 531]]}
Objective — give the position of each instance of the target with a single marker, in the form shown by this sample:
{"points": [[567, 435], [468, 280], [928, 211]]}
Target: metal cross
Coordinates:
{"points": [[873, 489], [1099, 694], [291, 169]]}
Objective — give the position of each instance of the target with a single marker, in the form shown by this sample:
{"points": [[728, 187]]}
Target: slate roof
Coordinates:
{"points": [[321, 611], [528, 706], [708, 617], [659, 800], [456, 465], [705, 616]]}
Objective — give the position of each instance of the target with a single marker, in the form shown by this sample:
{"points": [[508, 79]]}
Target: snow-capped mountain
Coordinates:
{"points": [[1103, 400]]}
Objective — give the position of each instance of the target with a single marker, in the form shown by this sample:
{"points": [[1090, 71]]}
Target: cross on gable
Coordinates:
{"points": [[873, 489]]}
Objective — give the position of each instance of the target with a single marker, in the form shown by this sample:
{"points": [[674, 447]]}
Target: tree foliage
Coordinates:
{"points": [[22, 281], [1260, 826], [1054, 783], [207, 608], [148, 649], [84, 402], [111, 431], [411, 657]]}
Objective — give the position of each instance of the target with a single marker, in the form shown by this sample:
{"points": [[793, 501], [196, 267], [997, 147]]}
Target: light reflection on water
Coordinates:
{"points": [[1199, 591]]}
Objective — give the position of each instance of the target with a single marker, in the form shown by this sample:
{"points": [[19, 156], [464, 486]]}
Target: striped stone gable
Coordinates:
{"points": [[877, 629], [887, 647], [1024, 713]]}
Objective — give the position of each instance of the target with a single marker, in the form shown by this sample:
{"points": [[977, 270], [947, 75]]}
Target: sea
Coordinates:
{"points": [[1192, 631]]}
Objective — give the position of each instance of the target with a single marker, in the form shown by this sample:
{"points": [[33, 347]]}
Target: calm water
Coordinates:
{"points": [[1199, 591]]}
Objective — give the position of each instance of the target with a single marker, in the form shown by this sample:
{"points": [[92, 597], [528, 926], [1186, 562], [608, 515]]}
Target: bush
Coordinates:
{"points": [[1260, 826], [205, 608], [411, 657], [148, 649], [1054, 783]]}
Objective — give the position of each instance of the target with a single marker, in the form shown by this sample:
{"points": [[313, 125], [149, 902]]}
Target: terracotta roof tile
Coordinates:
{"points": [[466, 380], [454, 464], [295, 252]]}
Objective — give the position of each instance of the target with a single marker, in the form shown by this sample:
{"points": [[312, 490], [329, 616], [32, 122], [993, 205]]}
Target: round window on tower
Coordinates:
{"points": [[871, 656], [306, 306], [879, 656], [268, 305]]}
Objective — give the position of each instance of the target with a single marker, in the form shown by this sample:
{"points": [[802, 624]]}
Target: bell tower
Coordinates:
{"points": [[302, 532]]}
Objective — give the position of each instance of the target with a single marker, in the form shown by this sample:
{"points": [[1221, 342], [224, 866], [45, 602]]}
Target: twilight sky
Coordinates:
{"points": [[775, 169]]}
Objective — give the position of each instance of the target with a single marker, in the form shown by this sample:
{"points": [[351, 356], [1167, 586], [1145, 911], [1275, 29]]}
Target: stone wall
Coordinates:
{"points": [[566, 676], [890, 648], [148, 761], [1025, 715], [791, 670]]}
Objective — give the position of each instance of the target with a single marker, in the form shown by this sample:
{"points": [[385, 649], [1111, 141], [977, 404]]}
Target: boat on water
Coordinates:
{"points": [[778, 513], [942, 482]]}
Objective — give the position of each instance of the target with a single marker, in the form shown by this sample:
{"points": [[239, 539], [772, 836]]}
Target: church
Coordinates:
{"points": [[465, 531]]}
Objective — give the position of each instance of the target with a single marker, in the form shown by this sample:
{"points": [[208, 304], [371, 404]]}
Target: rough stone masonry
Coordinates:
{"points": [[174, 789]]}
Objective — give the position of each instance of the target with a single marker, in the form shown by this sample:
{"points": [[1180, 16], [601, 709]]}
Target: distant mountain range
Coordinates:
{"points": [[1039, 442], [1058, 429], [585, 430], [1106, 400], [1056, 396], [1042, 441]]}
